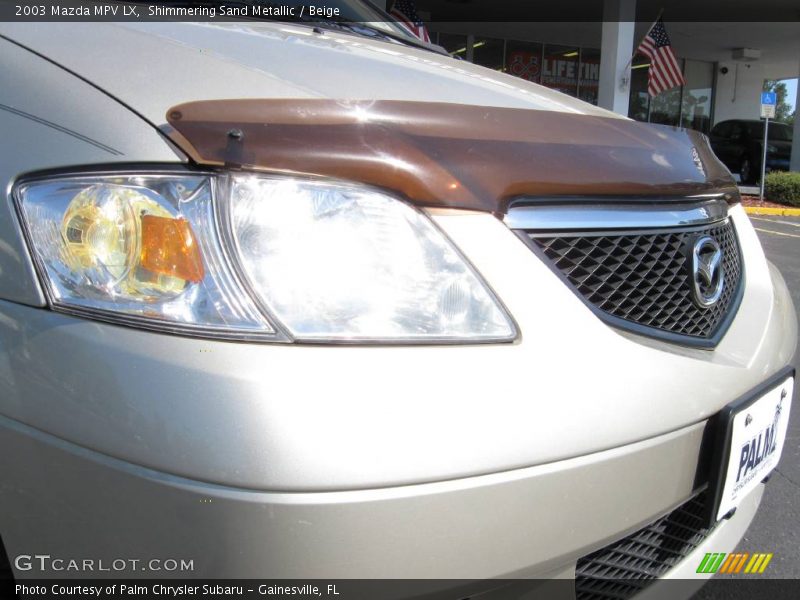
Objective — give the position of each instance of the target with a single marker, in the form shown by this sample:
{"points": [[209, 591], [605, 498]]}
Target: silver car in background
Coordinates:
{"points": [[289, 302]]}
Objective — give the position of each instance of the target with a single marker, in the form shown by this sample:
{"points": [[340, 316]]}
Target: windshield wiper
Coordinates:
{"points": [[370, 31], [361, 28]]}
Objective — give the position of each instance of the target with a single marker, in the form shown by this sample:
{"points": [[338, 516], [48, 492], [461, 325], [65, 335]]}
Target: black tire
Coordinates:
{"points": [[746, 173], [6, 575], [5, 566]]}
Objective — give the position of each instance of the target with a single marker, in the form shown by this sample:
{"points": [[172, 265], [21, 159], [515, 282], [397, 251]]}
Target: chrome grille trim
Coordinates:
{"points": [[569, 216], [640, 279]]}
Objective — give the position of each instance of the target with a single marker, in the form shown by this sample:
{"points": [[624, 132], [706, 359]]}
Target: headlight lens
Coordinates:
{"points": [[337, 262], [254, 257], [138, 248]]}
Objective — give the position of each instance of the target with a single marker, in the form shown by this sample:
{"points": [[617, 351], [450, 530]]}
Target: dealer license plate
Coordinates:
{"points": [[756, 430]]}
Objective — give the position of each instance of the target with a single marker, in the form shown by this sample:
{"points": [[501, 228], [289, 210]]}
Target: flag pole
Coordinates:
{"points": [[649, 29]]}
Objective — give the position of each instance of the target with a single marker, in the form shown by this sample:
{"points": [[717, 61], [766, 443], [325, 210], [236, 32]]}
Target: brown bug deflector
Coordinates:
{"points": [[453, 155]]}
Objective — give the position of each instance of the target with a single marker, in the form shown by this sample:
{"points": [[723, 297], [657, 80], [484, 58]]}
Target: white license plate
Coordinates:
{"points": [[756, 432]]}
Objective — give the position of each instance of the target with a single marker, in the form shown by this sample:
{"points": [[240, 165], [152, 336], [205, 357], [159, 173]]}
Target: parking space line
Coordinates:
{"points": [[775, 221], [777, 232]]}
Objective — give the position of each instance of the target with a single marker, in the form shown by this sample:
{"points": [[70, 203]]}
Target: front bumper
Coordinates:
{"points": [[528, 522], [308, 461]]}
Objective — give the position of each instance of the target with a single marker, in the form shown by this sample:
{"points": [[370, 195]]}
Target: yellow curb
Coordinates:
{"points": [[781, 212]]}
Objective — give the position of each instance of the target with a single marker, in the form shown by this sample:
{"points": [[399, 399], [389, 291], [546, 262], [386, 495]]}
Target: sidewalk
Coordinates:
{"points": [[754, 206], [768, 210]]}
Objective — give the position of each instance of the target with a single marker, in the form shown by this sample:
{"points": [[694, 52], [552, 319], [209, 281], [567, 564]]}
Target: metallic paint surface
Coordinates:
{"points": [[50, 119], [480, 527], [153, 66], [304, 418], [474, 461]]}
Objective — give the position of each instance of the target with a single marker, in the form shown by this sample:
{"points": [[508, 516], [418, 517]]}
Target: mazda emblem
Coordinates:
{"points": [[708, 274]]}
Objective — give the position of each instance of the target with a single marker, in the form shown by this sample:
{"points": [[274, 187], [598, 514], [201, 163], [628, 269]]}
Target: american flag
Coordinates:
{"points": [[406, 14], [664, 72]]}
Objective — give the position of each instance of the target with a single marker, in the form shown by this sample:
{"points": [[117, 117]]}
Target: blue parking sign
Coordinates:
{"points": [[769, 98]]}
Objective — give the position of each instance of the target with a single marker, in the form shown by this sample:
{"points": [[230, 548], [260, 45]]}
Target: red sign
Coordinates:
{"points": [[523, 64]]}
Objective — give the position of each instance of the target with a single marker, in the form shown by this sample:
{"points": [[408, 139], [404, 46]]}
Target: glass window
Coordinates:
{"points": [[722, 130], [560, 68], [488, 52], [454, 43], [589, 75], [737, 131], [696, 104], [639, 105], [777, 132], [576, 71], [524, 59], [666, 107]]}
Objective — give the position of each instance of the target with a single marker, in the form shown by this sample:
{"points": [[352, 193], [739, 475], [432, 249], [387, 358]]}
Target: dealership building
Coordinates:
{"points": [[724, 63]]}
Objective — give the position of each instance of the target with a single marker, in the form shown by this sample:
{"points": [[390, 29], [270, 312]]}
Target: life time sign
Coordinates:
{"points": [[768, 102], [562, 71]]}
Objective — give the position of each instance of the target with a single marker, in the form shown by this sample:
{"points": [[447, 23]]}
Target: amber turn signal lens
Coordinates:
{"points": [[169, 248]]}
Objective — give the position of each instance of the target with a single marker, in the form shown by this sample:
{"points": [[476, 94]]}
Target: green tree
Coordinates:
{"points": [[783, 110]]}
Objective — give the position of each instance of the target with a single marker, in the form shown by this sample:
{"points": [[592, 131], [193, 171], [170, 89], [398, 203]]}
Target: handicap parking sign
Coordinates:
{"points": [[768, 102]]}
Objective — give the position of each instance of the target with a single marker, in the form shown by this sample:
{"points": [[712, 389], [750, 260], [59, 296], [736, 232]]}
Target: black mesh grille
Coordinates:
{"points": [[643, 277], [624, 568]]}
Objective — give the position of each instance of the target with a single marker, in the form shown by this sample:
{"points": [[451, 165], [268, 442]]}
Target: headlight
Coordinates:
{"points": [[249, 257]]}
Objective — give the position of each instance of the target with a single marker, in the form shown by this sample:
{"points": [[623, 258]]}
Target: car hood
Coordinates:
{"points": [[439, 130], [154, 66]]}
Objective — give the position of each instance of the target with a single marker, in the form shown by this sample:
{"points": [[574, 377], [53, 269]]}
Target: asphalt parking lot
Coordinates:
{"points": [[776, 527]]}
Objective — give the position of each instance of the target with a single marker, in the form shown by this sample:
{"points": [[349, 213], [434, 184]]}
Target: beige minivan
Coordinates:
{"points": [[304, 300]]}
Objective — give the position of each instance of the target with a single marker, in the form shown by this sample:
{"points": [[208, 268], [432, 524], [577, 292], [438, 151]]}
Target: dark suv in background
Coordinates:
{"points": [[739, 144]]}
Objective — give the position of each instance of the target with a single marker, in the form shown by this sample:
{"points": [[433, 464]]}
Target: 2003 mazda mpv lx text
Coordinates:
{"points": [[295, 300]]}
